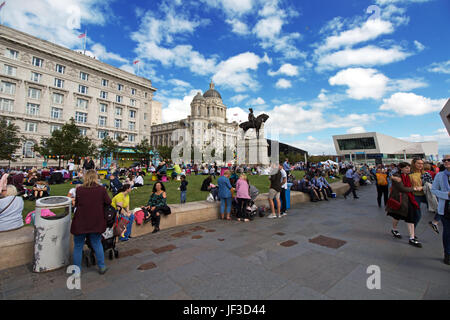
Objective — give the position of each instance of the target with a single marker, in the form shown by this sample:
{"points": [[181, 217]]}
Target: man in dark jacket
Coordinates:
{"points": [[115, 184], [88, 164], [305, 186]]}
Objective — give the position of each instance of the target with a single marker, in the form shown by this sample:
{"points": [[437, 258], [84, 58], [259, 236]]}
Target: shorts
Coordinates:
{"points": [[274, 194]]}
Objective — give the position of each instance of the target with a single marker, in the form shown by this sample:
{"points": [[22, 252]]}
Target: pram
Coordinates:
{"points": [[252, 209], [108, 239]]}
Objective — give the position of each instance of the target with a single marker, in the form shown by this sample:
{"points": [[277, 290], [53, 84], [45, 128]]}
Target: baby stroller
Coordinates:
{"points": [[252, 209], [108, 239]]}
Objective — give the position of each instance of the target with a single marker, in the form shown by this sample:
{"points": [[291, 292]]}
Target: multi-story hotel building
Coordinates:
{"points": [[43, 85]]}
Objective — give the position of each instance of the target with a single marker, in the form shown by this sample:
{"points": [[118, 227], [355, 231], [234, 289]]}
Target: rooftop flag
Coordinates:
{"points": [[136, 61], [82, 36]]}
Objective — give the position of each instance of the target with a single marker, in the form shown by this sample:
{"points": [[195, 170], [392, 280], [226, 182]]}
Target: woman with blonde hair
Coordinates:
{"points": [[243, 197], [89, 219], [418, 179]]}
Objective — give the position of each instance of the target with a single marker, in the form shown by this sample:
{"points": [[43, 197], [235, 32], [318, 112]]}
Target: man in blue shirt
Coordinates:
{"points": [[350, 176], [286, 167]]}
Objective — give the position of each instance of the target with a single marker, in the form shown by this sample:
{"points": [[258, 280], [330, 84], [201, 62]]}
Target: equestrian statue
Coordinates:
{"points": [[254, 122]]}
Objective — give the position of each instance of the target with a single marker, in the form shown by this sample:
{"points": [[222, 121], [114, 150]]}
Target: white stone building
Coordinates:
{"points": [[43, 85]]}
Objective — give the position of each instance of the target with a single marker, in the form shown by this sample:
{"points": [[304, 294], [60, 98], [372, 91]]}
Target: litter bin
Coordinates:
{"points": [[288, 195], [52, 234]]}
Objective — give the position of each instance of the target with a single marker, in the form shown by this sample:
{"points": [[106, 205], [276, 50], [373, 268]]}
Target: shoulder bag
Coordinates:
{"points": [[8, 205], [393, 203]]}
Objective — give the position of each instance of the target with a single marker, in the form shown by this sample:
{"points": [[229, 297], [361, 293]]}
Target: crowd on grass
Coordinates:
{"points": [[404, 188]]}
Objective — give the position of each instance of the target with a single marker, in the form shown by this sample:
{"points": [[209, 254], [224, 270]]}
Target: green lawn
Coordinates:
{"points": [[140, 196]]}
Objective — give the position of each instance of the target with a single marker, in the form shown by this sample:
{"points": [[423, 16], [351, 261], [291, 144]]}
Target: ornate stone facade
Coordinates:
{"points": [[43, 85]]}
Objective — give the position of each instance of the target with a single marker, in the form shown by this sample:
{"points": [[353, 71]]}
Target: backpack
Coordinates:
{"points": [[382, 179]]}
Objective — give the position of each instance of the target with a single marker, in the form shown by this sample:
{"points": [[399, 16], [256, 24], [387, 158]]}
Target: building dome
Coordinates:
{"points": [[212, 93], [198, 97]]}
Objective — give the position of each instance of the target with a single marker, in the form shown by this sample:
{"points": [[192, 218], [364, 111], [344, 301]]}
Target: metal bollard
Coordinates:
{"points": [[52, 235]]}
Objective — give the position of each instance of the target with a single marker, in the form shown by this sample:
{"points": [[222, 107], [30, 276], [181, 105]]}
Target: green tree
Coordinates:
{"points": [[10, 139], [165, 152], [107, 147], [143, 150], [67, 143]]}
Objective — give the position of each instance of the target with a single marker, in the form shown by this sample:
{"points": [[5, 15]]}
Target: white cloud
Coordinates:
{"points": [[283, 84], [178, 109], [411, 104], [406, 84], [179, 83], [440, 67], [238, 26], [231, 8], [268, 28], [286, 69], [237, 114], [362, 83], [235, 73], [238, 98], [316, 147], [256, 102], [440, 135], [370, 30], [356, 130], [367, 56], [419, 46], [386, 2], [100, 52]]}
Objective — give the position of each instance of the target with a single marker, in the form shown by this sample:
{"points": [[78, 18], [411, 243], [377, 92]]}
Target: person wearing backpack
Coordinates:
{"points": [[382, 186]]}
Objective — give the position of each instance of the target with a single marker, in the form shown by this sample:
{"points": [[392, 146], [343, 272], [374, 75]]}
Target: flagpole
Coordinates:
{"points": [[85, 39]]}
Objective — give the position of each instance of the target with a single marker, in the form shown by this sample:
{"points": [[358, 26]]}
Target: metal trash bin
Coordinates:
{"points": [[52, 235]]}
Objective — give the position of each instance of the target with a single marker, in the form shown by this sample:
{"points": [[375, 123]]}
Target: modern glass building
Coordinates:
{"points": [[377, 147]]}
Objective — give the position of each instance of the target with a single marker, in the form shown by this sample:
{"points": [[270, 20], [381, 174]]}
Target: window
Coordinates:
{"points": [[84, 76], [59, 83], [12, 54], [118, 111], [119, 99], [36, 77], [82, 103], [131, 125], [60, 69], [103, 94], [102, 121], [58, 98], [54, 127], [119, 87], [131, 137], [8, 87], [102, 134], [133, 91], [10, 71], [145, 116], [116, 135], [32, 109], [83, 131], [132, 102], [117, 123], [38, 62], [56, 113], [133, 114], [103, 107], [30, 126], [6, 105], [357, 144], [80, 117], [145, 94], [34, 93], [27, 150], [82, 89], [104, 82]]}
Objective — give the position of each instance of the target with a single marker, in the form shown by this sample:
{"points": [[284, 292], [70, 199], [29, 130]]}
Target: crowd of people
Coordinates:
{"points": [[403, 188]]}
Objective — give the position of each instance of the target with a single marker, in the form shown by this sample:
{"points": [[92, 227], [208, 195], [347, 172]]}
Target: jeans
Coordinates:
{"points": [[222, 205], [96, 242], [419, 200], [446, 234], [129, 226], [183, 197]]}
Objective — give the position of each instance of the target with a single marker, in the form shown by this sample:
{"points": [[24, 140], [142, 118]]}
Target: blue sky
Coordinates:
{"points": [[318, 68]]}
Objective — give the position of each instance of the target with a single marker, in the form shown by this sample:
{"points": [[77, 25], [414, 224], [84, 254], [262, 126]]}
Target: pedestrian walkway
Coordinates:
{"points": [[319, 251]]}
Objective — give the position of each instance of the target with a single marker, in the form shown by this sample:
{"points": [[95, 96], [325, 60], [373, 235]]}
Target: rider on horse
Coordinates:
{"points": [[251, 118]]}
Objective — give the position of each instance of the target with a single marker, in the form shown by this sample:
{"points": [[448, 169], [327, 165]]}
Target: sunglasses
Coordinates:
{"points": [[445, 160]]}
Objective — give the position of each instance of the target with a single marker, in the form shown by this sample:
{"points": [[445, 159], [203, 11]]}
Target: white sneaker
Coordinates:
{"points": [[271, 216], [284, 214]]}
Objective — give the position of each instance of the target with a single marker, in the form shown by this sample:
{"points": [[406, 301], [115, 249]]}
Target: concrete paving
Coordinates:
{"points": [[236, 260]]}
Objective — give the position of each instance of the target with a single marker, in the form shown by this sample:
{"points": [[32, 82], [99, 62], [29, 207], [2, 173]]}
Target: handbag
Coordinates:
{"points": [[394, 204], [8, 205]]}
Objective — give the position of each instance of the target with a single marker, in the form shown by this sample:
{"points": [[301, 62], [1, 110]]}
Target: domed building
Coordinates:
{"points": [[207, 123]]}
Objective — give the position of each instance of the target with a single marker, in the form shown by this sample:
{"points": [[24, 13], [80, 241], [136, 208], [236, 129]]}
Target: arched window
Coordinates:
{"points": [[27, 150], [198, 111]]}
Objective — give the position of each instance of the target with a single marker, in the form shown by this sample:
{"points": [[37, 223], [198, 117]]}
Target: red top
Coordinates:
{"points": [[89, 216]]}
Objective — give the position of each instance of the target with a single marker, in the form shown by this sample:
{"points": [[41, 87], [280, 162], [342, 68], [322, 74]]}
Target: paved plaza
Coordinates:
{"points": [[278, 259]]}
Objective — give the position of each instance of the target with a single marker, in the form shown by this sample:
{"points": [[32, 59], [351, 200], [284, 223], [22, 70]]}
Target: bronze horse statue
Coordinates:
{"points": [[255, 124]]}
